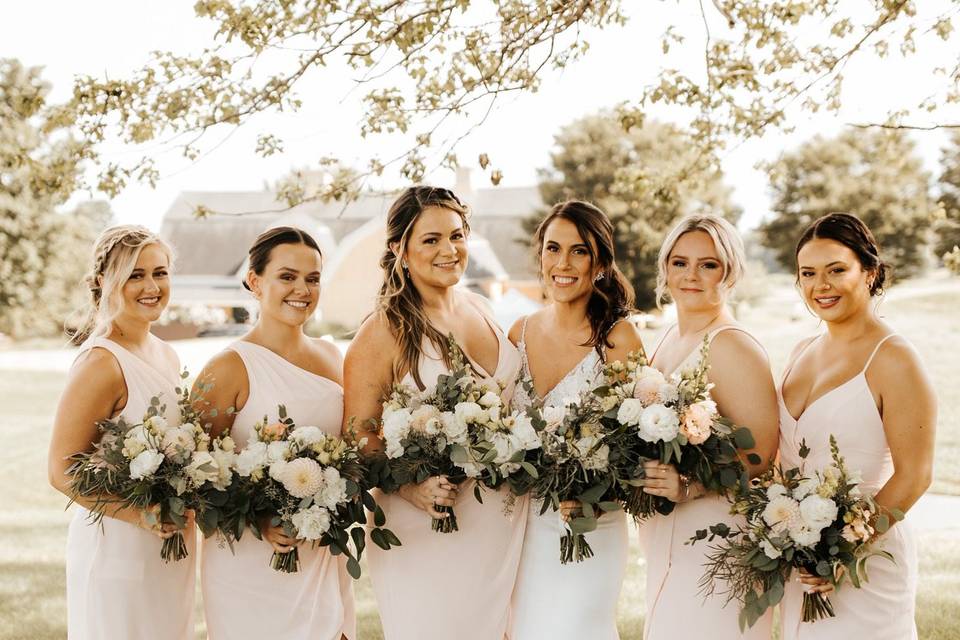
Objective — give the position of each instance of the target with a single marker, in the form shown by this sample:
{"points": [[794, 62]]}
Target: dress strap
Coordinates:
{"points": [[875, 349], [713, 334], [786, 372], [657, 346], [522, 346]]}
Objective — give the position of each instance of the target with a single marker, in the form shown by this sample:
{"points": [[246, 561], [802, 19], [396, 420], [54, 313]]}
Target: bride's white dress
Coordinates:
{"points": [[576, 600]]}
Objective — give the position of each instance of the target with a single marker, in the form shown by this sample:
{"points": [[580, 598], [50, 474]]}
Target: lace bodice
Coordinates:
{"points": [[581, 377]]}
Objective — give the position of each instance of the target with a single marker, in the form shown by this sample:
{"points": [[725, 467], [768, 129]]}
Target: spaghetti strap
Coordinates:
{"points": [[713, 334], [659, 344], [875, 349]]}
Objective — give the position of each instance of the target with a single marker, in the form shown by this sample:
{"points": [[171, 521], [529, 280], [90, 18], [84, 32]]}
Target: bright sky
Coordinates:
{"points": [[114, 36]]}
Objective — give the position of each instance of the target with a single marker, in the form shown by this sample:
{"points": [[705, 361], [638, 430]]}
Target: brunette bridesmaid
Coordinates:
{"points": [[277, 363], [699, 264], [863, 383], [435, 586], [118, 586]]}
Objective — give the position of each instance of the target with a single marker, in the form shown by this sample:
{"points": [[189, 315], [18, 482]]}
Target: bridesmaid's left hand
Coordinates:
{"points": [[662, 480]]}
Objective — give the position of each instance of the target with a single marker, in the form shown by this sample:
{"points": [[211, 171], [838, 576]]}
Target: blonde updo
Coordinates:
{"points": [[115, 255], [726, 240]]}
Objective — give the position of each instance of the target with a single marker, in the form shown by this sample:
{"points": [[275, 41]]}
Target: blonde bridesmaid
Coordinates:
{"points": [[435, 586], [564, 347], [276, 363], [865, 384], [699, 264], [118, 587]]}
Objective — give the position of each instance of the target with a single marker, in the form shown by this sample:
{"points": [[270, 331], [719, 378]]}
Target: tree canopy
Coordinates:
{"points": [[875, 175], [431, 71], [624, 174]]}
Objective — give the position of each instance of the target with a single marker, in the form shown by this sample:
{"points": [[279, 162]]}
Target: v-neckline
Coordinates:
{"points": [[150, 365], [526, 365], [810, 405], [476, 365]]}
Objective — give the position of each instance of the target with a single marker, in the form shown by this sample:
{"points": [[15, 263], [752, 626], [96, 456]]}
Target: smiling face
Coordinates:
{"points": [[147, 291], [436, 252], [695, 273], [289, 287], [833, 282], [566, 264]]}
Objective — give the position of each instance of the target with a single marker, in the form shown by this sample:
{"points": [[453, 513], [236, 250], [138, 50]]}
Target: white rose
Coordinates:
{"points": [[503, 445], [178, 441], [276, 470], [453, 427], [630, 411], [225, 460], [135, 441], [334, 490], [145, 464], [311, 523], [202, 468], [650, 373], [659, 423], [397, 424], [156, 424], [523, 430], [818, 512], [307, 435], [469, 412], [804, 537], [769, 549], [278, 450], [252, 458], [554, 416], [805, 487], [471, 469], [489, 399]]}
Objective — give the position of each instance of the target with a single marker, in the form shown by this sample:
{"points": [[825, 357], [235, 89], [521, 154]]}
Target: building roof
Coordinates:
{"points": [[217, 245]]}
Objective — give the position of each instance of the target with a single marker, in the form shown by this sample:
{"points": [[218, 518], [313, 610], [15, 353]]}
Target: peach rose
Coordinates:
{"points": [[696, 423], [275, 431]]}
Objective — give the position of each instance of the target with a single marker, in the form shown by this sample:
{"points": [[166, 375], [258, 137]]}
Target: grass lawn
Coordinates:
{"points": [[33, 523]]}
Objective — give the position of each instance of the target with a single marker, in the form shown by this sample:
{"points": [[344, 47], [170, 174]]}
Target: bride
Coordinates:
{"points": [[563, 348]]}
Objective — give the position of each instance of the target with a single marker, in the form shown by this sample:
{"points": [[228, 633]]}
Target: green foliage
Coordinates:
{"points": [[875, 175], [948, 225], [42, 252], [644, 179]]}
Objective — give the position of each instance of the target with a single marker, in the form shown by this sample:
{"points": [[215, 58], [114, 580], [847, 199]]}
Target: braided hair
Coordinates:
{"points": [[115, 255]]}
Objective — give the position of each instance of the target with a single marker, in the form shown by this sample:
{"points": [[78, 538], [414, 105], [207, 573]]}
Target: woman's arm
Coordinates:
{"points": [[909, 411], [367, 376], [223, 389], [95, 391]]}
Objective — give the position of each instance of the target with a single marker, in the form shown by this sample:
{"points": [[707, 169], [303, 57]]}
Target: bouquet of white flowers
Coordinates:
{"points": [[310, 483], [458, 429], [674, 421], [821, 523], [152, 465]]}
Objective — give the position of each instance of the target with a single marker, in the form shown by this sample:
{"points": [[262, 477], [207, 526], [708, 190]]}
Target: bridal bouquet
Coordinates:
{"points": [[582, 457], [458, 430], [674, 421], [152, 465], [821, 523], [308, 482]]}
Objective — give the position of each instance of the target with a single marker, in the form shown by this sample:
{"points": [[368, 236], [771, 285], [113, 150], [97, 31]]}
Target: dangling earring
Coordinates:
{"points": [[598, 277]]}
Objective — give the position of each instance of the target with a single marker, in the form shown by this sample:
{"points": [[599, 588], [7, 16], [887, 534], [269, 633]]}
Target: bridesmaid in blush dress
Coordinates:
{"points": [[564, 347], [118, 587], [435, 586], [699, 263], [865, 385], [274, 364]]}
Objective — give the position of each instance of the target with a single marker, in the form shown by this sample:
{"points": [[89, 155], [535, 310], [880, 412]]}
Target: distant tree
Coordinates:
{"points": [[948, 225], [876, 175], [631, 176], [43, 253], [429, 71]]}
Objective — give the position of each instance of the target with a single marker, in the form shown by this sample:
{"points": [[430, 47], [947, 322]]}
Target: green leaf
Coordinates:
{"points": [[743, 438], [353, 568], [379, 517]]}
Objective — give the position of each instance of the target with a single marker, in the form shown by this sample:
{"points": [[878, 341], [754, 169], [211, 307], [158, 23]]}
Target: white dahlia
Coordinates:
{"points": [[302, 477]]}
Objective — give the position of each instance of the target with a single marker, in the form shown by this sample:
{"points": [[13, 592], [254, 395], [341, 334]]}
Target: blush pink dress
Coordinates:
{"points": [[243, 596], [675, 608], [883, 609], [118, 587], [439, 586]]}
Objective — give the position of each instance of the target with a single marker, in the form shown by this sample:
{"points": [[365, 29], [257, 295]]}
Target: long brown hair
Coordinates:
{"points": [[399, 300], [612, 297]]}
